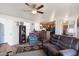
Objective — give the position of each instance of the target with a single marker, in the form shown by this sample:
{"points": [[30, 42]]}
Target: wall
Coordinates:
{"points": [[78, 32], [71, 21], [72, 27], [32, 27], [58, 27], [11, 29], [27, 28], [37, 26]]}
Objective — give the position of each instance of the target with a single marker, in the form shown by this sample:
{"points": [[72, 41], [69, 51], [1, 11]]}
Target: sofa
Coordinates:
{"points": [[59, 45]]}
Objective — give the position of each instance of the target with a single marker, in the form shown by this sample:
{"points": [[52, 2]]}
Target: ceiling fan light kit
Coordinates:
{"points": [[35, 9], [34, 12]]}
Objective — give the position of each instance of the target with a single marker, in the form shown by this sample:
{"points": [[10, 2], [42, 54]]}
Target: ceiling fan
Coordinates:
{"points": [[35, 9]]}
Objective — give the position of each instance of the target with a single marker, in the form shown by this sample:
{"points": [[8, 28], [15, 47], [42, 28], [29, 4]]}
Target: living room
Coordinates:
{"points": [[29, 29]]}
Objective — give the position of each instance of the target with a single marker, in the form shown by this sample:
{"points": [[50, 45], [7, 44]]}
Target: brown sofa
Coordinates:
{"points": [[61, 45]]}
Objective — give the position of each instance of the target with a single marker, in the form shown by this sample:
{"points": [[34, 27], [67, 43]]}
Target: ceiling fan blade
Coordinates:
{"points": [[41, 6], [40, 12], [26, 10], [27, 4]]}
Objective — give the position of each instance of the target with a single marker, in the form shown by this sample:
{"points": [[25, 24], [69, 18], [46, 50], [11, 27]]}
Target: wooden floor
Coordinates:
{"points": [[32, 53]]}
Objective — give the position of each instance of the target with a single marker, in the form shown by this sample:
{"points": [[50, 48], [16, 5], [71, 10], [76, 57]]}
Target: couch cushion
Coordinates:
{"points": [[75, 44], [61, 46], [54, 38], [54, 43], [68, 52], [66, 41]]}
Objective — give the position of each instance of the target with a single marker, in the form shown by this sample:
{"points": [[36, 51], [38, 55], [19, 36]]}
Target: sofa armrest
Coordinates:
{"points": [[68, 52]]}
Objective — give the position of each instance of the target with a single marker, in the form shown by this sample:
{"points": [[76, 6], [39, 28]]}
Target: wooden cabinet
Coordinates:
{"points": [[22, 34], [44, 35]]}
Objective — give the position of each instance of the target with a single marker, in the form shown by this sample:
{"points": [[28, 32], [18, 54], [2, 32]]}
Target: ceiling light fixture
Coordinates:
{"points": [[34, 11]]}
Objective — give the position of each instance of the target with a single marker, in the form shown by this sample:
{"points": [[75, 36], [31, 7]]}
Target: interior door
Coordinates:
{"points": [[1, 33]]}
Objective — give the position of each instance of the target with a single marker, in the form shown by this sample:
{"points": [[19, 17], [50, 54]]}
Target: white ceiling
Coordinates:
{"points": [[51, 11]]}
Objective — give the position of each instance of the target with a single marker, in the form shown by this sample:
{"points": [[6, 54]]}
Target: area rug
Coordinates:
{"points": [[22, 49]]}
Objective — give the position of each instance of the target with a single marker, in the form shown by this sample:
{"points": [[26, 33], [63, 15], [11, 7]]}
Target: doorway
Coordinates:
{"points": [[1, 33]]}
